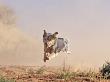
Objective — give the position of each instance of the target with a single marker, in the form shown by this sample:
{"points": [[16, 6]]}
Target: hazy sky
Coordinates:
{"points": [[85, 22]]}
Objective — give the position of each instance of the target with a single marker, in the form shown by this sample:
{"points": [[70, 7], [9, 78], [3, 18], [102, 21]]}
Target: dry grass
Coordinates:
{"points": [[43, 74]]}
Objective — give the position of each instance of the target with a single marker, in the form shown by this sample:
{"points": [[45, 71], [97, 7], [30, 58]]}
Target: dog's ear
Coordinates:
{"points": [[55, 34], [45, 33]]}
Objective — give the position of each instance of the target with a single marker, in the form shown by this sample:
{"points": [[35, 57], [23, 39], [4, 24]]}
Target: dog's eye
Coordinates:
{"points": [[48, 37]]}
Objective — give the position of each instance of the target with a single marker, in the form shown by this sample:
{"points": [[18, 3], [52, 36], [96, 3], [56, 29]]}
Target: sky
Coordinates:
{"points": [[86, 23]]}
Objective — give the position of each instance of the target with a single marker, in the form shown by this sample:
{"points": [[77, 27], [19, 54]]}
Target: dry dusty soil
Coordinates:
{"points": [[41, 74]]}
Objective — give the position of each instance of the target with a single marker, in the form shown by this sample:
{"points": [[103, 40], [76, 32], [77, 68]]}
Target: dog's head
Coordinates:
{"points": [[49, 38], [52, 36]]}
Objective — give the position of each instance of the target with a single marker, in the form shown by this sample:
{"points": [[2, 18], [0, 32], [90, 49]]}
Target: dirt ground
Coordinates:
{"points": [[42, 74]]}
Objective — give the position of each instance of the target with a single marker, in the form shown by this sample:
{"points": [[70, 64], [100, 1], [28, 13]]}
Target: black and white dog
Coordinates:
{"points": [[53, 45]]}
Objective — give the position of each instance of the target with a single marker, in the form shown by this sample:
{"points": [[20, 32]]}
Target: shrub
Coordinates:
{"points": [[105, 70], [30, 71], [66, 74], [2, 79], [40, 70]]}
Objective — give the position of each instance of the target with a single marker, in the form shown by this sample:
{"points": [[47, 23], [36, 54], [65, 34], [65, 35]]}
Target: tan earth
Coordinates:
{"points": [[43, 74]]}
